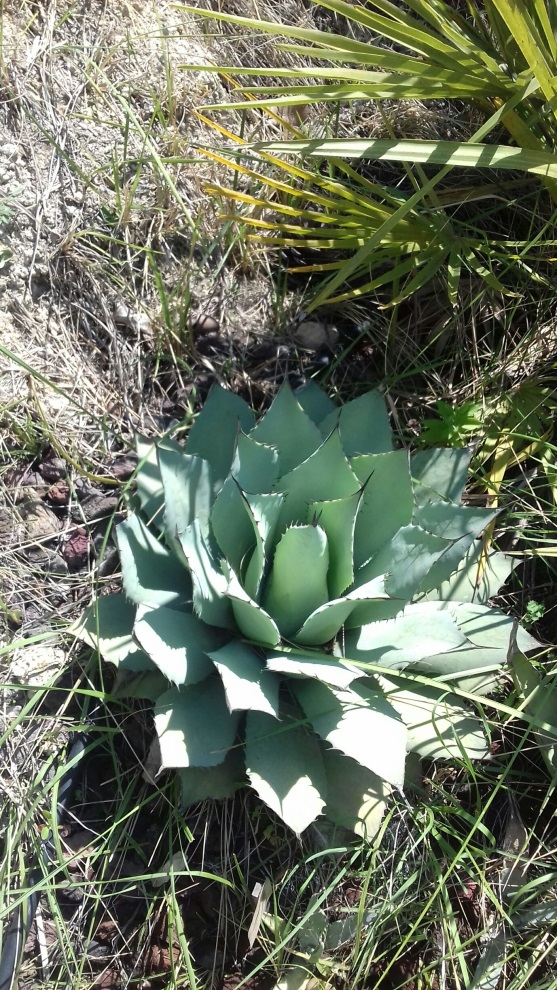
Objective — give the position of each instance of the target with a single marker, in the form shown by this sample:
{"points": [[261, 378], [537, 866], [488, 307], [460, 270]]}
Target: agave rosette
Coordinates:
{"points": [[292, 587]]}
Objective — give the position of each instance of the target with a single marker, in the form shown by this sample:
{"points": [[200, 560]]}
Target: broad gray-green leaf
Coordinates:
{"points": [[232, 526], [177, 642], [255, 466], [364, 425], [320, 666], [151, 574], [356, 797], [457, 523], [314, 401], [421, 630], [387, 501], [247, 684], [209, 583], [452, 521], [405, 561], [214, 432], [439, 726], [218, 783], [107, 626], [264, 513], [360, 723], [194, 725], [490, 627], [440, 472], [188, 491], [490, 636], [145, 686], [476, 578], [148, 478], [289, 429], [325, 475], [297, 583], [252, 620], [324, 624], [285, 767], [338, 519]]}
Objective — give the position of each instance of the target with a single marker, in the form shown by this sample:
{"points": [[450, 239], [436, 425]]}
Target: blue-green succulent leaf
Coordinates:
{"points": [[264, 513], [218, 783], [477, 578], [107, 626], [359, 722], [405, 561], [289, 429], [194, 725], [439, 473], [252, 620], [338, 518], [356, 797], [247, 684], [293, 786], [326, 475], [214, 432], [421, 630], [148, 477], [453, 521], [209, 583], [232, 526], [177, 642], [314, 401], [490, 627], [325, 622], [364, 425], [320, 666], [439, 725], [151, 574], [387, 503], [255, 466], [145, 685], [297, 584], [460, 525], [188, 492]]}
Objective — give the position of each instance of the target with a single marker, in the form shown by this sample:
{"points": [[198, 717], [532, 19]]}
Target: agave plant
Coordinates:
{"points": [[292, 588]]}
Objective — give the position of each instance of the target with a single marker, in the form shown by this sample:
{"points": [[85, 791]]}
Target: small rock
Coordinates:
{"points": [[312, 335], [59, 493], [53, 469], [139, 322], [95, 506], [22, 475], [205, 323], [47, 560], [76, 549], [39, 521], [37, 664], [124, 467]]}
